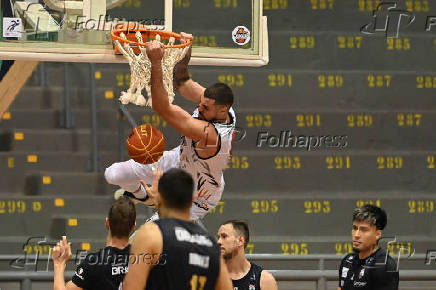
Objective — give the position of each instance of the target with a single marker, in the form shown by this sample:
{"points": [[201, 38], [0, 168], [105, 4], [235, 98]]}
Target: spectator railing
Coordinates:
{"points": [[321, 276]]}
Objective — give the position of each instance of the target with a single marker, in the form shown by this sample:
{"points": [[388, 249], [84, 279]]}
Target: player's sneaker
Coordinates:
{"points": [[146, 201]]}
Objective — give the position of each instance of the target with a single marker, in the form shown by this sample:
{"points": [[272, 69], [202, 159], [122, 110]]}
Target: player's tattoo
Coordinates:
{"points": [[206, 132]]}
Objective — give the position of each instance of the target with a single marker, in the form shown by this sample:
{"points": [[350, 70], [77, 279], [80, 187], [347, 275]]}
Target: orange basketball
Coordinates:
{"points": [[145, 144]]}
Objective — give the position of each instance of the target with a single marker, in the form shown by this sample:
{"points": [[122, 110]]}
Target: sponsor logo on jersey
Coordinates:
{"points": [[182, 235], [79, 273], [362, 272], [359, 284], [199, 260], [120, 270], [344, 272]]}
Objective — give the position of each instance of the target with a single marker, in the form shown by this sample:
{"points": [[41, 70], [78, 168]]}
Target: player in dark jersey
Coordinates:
{"points": [[369, 267], [233, 237], [106, 268], [182, 254]]}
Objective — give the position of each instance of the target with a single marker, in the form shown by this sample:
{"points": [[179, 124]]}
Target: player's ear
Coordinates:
{"points": [[378, 235], [106, 223], [133, 227], [223, 108], [241, 240]]}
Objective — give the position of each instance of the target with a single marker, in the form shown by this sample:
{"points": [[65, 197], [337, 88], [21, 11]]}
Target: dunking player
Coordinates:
{"points": [[181, 254], [206, 141]]}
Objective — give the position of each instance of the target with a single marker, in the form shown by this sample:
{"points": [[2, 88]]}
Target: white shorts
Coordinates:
{"points": [[128, 173]]}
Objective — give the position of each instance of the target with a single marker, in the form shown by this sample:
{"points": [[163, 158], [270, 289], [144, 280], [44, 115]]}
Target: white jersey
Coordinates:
{"points": [[208, 172]]}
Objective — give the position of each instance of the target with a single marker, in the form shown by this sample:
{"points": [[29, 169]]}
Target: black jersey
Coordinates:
{"points": [[251, 281], [377, 272], [190, 258], [104, 269]]}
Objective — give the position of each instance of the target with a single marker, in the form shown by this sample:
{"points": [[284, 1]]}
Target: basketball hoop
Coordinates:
{"points": [[129, 41]]}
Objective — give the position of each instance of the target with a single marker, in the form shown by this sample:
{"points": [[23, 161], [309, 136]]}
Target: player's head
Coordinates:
{"points": [[368, 224], [121, 219], [175, 188], [233, 237], [215, 103]]}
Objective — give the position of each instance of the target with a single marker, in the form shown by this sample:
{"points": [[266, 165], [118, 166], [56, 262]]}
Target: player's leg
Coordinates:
{"points": [[128, 173], [208, 198]]}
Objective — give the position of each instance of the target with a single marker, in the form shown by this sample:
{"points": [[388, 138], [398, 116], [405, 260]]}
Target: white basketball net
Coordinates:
{"points": [[140, 70]]}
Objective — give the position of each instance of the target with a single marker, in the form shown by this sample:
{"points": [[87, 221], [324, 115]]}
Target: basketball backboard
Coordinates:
{"points": [[227, 32]]}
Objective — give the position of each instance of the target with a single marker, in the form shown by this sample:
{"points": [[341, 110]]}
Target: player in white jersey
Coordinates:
{"points": [[207, 135]]}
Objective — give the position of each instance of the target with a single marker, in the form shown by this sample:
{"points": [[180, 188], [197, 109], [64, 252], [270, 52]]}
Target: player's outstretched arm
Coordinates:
{"points": [[183, 83], [223, 282], [267, 281], [145, 252], [61, 254]]}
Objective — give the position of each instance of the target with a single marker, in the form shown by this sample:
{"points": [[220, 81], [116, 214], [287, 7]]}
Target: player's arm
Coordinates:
{"points": [[183, 83], [267, 281], [61, 254], [148, 241], [386, 278], [178, 118], [389, 281], [183, 122], [223, 282], [340, 273]]}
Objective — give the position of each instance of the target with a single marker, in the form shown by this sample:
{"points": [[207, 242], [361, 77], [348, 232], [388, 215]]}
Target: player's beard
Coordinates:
{"points": [[230, 255], [203, 118]]}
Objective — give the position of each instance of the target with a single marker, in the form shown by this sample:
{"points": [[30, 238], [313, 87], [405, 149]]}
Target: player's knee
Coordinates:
{"points": [[111, 174]]}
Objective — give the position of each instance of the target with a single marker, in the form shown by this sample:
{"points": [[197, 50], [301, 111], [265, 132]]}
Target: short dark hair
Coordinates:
{"points": [[241, 227], [176, 187], [221, 93], [371, 214], [122, 217]]}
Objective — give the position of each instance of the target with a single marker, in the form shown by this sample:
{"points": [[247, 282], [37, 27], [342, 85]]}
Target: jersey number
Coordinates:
{"points": [[198, 282]]}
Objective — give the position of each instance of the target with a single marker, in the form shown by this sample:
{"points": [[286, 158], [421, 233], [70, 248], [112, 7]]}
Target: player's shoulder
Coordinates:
{"points": [[98, 258], [382, 257], [150, 234], [89, 265], [267, 280], [149, 229], [256, 268], [93, 258], [349, 259]]}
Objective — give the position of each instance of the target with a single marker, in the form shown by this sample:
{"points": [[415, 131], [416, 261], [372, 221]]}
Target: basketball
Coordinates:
{"points": [[145, 144]]}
